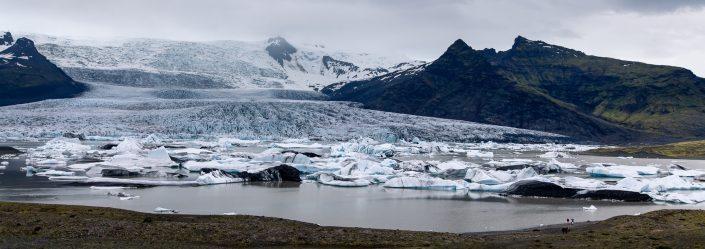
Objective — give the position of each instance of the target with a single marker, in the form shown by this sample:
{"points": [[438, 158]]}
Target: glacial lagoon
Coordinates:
{"points": [[373, 206]]}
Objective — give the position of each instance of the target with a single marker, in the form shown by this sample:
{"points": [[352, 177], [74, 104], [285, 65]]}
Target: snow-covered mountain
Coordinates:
{"points": [[274, 63]]}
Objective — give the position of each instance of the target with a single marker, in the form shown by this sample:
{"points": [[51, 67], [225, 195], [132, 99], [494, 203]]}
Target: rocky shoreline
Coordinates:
{"points": [[24, 225]]}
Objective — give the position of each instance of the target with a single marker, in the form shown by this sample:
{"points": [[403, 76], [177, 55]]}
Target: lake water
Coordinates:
{"points": [[373, 206]]}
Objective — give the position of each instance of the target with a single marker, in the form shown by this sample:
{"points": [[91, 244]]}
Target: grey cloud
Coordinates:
{"points": [[658, 6], [421, 29]]}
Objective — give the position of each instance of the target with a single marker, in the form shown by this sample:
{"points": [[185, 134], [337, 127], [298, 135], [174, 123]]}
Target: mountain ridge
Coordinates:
{"points": [[27, 76], [536, 85]]}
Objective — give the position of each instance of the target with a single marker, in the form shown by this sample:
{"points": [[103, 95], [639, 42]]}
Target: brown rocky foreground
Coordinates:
{"points": [[25, 225]]}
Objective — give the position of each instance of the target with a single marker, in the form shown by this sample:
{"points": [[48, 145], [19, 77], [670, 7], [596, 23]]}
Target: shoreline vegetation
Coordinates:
{"points": [[683, 150], [27, 225]]}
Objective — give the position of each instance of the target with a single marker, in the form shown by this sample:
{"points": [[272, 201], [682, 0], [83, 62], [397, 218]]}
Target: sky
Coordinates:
{"points": [[654, 31]]}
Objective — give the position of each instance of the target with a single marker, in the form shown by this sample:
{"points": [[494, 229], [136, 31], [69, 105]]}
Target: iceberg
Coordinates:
{"points": [[687, 173], [49, 163], [682, 198], [351, 167], [364, 147], [227, 165], [165, 210], [455, 165], [663, 184], [128, 145], [217, 177], [493, 177], [288, 157], [55, 173], [621, 171], [582, 183], [68, 178], [561, 166], [152, 140], [590, 208], [339, 181], [480, 154], [60, 146], [424, 182], [555, 154]]}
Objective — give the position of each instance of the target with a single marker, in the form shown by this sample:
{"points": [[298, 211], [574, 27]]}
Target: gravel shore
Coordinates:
{"points": [[24, 225]]}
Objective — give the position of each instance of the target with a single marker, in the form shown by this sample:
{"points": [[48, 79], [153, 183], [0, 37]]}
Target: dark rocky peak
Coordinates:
{"points": [[460, 58], [337, 66], [279, 49], [526, 47], [22, 47], [6, 39]]}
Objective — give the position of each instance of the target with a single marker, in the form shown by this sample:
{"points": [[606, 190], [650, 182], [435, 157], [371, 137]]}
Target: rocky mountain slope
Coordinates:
{"points": [[27, 76], [540, 86], [274, 63]]}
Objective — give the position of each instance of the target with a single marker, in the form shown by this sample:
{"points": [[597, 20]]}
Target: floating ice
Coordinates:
{"points": [[481, 176], [68, 178], [129, 145], [663, 184], [352, 167], [478, 153], [682, 198], [687, 173], [555, 154], [49, 163], [55, 173], [364, 147], [621, 171], [424, 182], [165, 210], [152, 139], [60, 146], [217, 177], [334, 180], [590, 208], [562, 166], [108, 187], [582, 183]]}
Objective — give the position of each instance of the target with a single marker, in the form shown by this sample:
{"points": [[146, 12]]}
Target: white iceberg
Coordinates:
{"points": [[555, 154], [128, 145], [682, 198], [217, 177], [339, 181], [583, 183], [55, 173], [591, 208], [492, 177], [364, 147], [68, 178], [479, 153], [165, 210], [561, 166], [668, 183], [621, 171], [424, 182]]}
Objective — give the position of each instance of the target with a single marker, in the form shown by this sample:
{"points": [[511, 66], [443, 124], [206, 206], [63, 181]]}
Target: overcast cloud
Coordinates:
{"points": [[653, 31]]}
